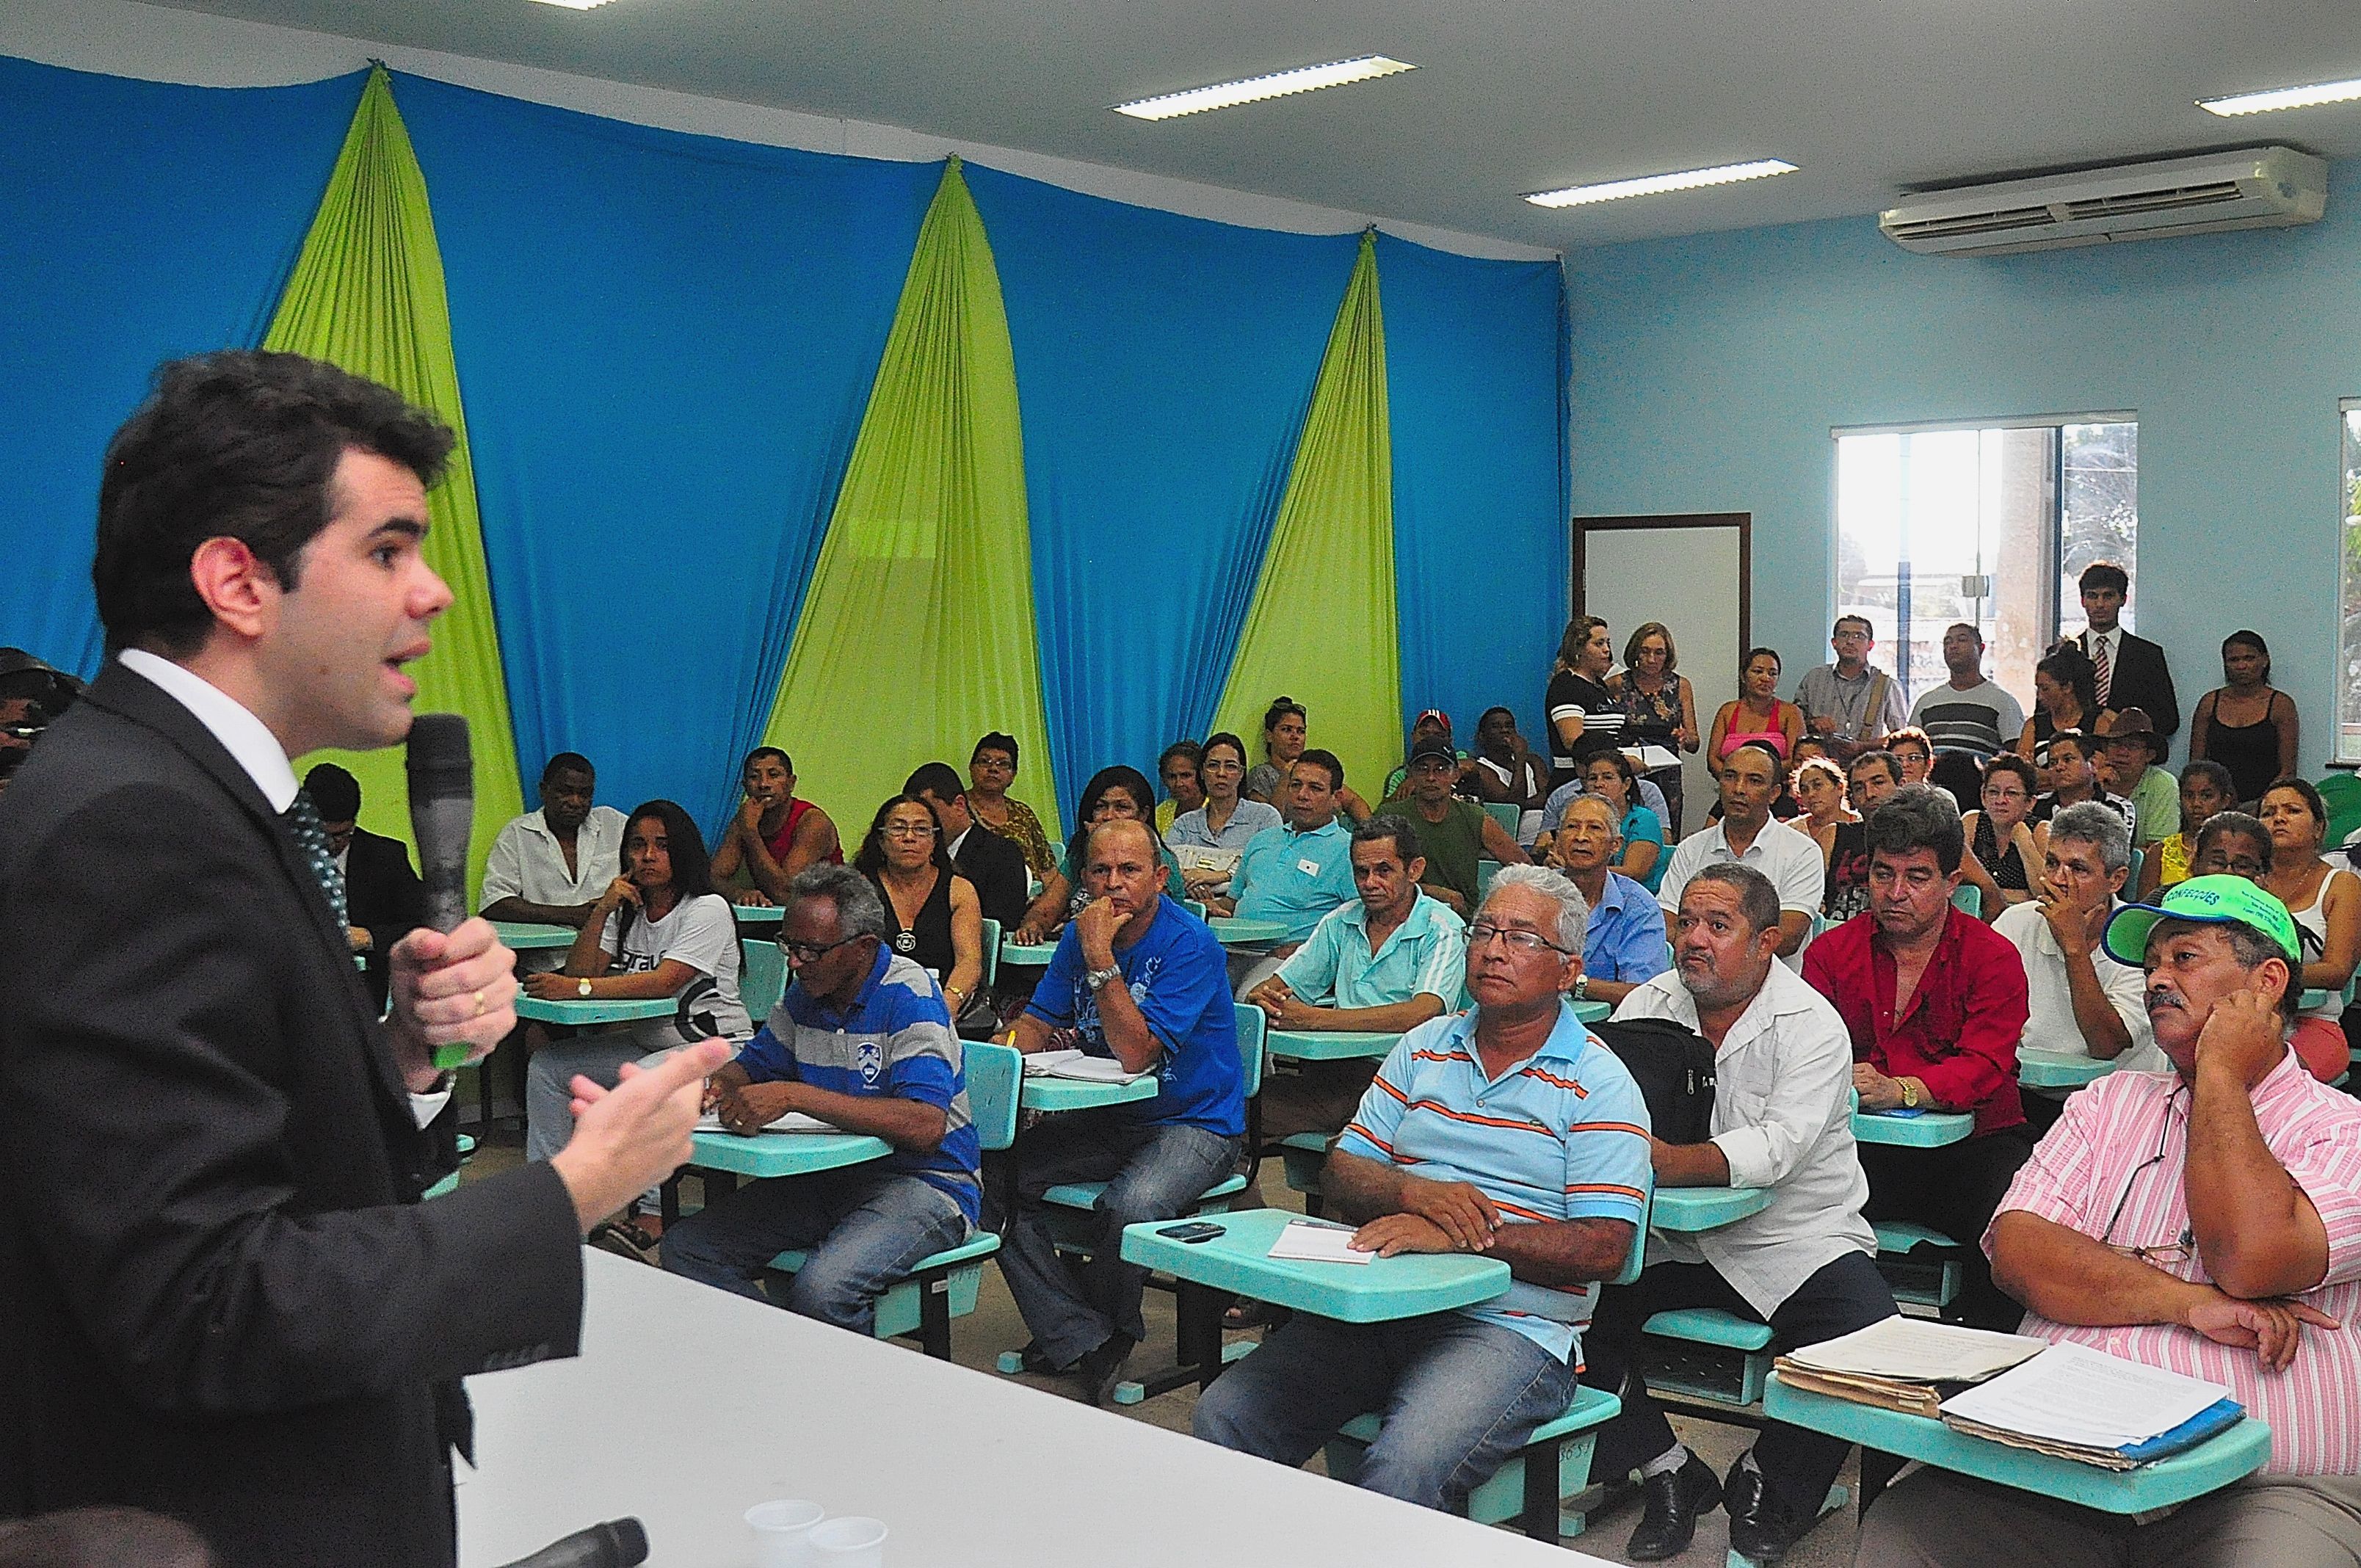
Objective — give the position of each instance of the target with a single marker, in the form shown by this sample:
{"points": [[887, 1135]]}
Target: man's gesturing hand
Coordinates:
{"points": [[630, 1137]]}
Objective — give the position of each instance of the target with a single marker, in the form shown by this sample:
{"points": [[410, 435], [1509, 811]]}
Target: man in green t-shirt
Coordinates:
{"points": [[1453, 834], [2134, 749]]}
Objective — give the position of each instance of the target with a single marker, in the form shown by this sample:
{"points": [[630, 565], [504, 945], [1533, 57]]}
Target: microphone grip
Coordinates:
{"points": [[441, 769], [617, 1544]]}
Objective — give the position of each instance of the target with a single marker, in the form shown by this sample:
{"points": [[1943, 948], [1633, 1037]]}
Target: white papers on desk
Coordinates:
{"points": [[1080, 1065], [2071, 1394], [788, 1122], [1920, 1351], [1196, 861], [1310, 1241]]}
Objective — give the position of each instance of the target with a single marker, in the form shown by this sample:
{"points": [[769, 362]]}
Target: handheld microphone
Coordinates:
{"points": [[442, 816], [617, 1544]]}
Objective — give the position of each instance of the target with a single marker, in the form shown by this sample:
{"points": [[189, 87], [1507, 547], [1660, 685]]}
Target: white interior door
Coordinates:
{"points": [[1690, 574]]}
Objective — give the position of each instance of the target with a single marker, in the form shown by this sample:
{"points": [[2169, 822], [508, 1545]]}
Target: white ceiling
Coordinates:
{"points": [[1871, 97]]}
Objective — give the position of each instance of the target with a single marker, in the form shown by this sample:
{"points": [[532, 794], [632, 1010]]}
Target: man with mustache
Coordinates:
{"points": [[2207, 1221]]}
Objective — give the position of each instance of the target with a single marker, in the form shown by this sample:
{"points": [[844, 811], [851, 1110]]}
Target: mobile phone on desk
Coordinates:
{"points": [[1192, 1231]]}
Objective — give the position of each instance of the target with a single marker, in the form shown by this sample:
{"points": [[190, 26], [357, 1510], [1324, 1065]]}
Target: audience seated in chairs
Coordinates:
{"points": [[1295, 872], [1140, 979], [991, 769], [2135, 752], [1750, 778], [1453, 834], [1803, 1264], [1870, 782], [1818, 786], [774, 835], [1112, 795], [1623, 942], [549, 866], [1935, 1003], [1610, 776], [1208, 841], [1507, 1130], [932, 916], [2071, 758], [2325, 898], [384, 900], [992, 865], [2205, 789], [1431, 721], [1184, 786], [2004, 845], [860, 1040], [2207, 1222], [1914, 755]]}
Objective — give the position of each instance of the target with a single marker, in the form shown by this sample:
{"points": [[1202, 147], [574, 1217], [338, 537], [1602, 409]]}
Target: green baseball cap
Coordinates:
{"points": [[2208, 900]]}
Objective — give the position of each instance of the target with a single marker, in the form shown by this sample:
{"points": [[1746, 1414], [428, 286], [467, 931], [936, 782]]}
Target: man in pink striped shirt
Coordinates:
{"points": [[2207, 1221]]}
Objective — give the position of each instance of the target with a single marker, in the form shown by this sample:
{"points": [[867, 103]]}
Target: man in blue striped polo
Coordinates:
{"points": [[864, 1041], [1507, 1130]]}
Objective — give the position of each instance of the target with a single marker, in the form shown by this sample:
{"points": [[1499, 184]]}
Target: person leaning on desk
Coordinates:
{"points": [[2207, 1221]]}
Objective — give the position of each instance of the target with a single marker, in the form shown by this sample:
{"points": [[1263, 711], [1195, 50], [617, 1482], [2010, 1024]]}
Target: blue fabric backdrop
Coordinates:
{"points": [[138, 220], [1474, 377], [1163, 367], [665, 342]]}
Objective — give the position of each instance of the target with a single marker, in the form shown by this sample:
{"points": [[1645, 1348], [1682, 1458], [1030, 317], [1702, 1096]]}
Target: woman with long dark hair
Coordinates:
{"points": [[1113, 793], [2065, 696], [937, 921], [1218, 830]]}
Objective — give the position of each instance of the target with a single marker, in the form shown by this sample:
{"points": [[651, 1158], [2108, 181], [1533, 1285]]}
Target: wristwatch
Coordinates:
{"points": [[583, 990], [1909, 1094], [1099, 977]]}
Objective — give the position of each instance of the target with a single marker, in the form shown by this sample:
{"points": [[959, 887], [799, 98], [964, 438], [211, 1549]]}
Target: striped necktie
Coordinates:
{"points": [[303, 819], [2104, 666]]}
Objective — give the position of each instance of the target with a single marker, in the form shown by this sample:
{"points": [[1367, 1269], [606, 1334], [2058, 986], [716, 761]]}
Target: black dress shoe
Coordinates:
{"points": [[1674, 1500], [1760, 1530], [1101, 1369]]}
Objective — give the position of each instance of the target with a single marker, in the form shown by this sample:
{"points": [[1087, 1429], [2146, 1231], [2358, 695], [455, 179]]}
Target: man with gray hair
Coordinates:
{"points": [[2078, 999], [861, 1040], [1803, 1265], [1508, 1130]]}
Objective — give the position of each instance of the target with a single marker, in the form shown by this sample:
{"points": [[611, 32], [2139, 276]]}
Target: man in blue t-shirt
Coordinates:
{"points": [[1140, 979], [861, 1040]]}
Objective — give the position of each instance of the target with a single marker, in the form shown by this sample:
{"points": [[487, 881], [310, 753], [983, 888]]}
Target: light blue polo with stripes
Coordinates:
{"points": [[1561, 1135]]}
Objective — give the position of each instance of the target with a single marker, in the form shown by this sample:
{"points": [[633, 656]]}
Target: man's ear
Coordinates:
{"points": [[240, 590]]}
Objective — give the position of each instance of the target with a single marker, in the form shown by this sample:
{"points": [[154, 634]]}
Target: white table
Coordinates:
{"points": [[690, 1405]]}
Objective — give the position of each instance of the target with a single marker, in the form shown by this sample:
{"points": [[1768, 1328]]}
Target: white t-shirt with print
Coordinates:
{"points": [[701, 933]]}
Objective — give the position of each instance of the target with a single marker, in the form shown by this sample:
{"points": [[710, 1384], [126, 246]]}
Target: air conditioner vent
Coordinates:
{"points": [[2265, 187]]}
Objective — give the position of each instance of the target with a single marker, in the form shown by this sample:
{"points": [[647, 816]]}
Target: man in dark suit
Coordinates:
{"points": [[1003, 886], [221, 1298], [385, 901], [2130, 670]]}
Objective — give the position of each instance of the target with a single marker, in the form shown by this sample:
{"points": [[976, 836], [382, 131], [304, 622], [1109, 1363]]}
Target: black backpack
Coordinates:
{"points": [[1673, 1067]]}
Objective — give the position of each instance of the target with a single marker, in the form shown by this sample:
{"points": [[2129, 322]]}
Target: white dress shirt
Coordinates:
{"points": [[1783, 1118], [254, 748], [1790, 859], [2050, 1024]]}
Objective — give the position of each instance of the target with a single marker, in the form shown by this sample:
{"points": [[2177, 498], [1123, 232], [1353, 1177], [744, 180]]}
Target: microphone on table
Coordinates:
{"points": [[617, 1544], [442, 816]]}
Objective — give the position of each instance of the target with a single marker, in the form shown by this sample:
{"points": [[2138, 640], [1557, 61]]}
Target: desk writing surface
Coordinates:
{"points": [[1688, 1210], [1230, 930], [2037, 1068], [1928, 1130], [1329, 1045], [581, 1010], [1045, 1093], [751, 1403], [758, 914], [525, 935], [786, 1153], [1032, 955], [1374, 1292]]}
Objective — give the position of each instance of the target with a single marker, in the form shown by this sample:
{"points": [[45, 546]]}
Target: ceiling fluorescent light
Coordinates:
{"points": [[577, 5], [1651, 184], [2282, 98], [1254, 89]]}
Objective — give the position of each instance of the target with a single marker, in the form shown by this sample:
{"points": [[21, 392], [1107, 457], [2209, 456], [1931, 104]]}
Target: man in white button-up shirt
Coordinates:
{"points": [[549, 866], [1803, 1264], [1746, 835]]}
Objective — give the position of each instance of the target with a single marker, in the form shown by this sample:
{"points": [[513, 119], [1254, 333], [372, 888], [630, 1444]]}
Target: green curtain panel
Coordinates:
{"points": [[1322, 627], [367, 294], [917, 633]]}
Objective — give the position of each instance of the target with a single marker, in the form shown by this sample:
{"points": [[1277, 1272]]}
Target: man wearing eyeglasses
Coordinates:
{"points": [[1848, 702], [1508, 1130], [862, 1041], [2207, 1221]]}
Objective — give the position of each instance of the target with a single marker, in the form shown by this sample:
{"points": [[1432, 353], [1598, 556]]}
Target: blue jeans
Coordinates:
{"points": [[864, 1229], [1151, 1172], [1458, 1397]]}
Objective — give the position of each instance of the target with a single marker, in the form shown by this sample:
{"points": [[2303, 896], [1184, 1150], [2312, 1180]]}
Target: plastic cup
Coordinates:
{"points": [[848, 1542], [783, 1532]]}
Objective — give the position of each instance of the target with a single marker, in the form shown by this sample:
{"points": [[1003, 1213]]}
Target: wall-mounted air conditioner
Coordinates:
{"points": [[2256, 187]]}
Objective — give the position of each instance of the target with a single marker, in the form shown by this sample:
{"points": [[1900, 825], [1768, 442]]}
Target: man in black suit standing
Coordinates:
{"points": [[2130, 670], [222, 1299], [995, 865], [385, 901]]}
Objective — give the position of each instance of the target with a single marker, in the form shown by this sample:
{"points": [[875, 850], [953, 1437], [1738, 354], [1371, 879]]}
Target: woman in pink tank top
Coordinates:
{"points": [[1757, 714]]}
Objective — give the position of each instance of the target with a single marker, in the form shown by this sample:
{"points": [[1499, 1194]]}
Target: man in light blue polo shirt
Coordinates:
{"points": [[1507, 1130], [1623, 946], [1296, 872]]}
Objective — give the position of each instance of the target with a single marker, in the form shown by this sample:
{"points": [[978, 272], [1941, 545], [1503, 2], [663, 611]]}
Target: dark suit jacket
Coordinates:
{"points": [[2141, 680], [220, 1296], [1004, 885], [384, 897]]}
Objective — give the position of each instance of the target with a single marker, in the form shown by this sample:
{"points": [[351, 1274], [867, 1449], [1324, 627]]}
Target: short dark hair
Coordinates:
{"points": [[869, 859], [2254, 639], [2071, 668], [1915, 818], [2227, 824], [2213, 774], [566, 762], [335, 792], [1188, 749], [1328, 760], [1747, 659], [1623, 765], [1860, 620], [994, 740], [2104, 575], [2304, 790], [241, 444], [1389, 828], [2085, 744], [2010, 763], [760, 751], [692, 868], [939, 779], [1875, 754], [1757, 899]]}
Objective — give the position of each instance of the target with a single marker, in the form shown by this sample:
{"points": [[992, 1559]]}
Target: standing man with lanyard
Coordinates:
{"points": [[224, 1299], [1849, 703]]}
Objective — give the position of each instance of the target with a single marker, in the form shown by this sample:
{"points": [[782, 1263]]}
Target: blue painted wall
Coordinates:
{"points": [[1709, 372]]}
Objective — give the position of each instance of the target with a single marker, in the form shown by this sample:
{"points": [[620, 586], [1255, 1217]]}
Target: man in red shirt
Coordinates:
{"points": [[1935, 1003]]}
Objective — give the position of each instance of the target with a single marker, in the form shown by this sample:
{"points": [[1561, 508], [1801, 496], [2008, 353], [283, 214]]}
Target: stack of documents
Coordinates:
{"points": [[1078, 1065], [787, 1122], [2077, 1403], [1904, 1363], [1315, 1241]]}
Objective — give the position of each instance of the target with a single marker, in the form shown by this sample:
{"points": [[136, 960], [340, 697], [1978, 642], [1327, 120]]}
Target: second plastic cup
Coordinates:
{"points": [[850, 1542], [783, 1532]]}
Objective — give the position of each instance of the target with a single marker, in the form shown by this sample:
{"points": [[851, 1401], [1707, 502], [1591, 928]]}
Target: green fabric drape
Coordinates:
{"points": [[917, 633], [1323, 627], [367, 294]]}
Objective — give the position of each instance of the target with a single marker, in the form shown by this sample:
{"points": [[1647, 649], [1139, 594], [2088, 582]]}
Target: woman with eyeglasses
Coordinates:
{"points": [[2003, 846], [1208, 842], [2206, 789], [991, 769], [937, 919], [2325, 900]]}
